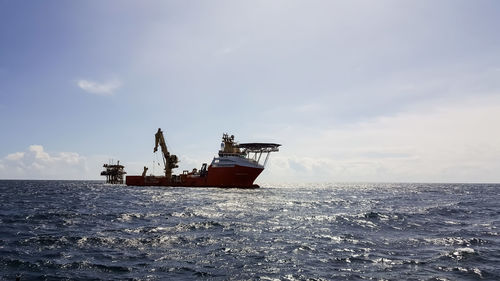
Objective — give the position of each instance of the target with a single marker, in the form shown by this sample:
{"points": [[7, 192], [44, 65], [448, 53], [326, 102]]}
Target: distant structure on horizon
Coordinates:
{"points": [[114, 173]]}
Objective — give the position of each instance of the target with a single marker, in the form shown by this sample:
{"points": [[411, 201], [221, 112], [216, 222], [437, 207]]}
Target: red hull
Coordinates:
{"points": [[236, 176]]}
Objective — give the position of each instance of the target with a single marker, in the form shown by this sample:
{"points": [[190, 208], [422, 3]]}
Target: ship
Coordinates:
{"points": [[237, 166]]}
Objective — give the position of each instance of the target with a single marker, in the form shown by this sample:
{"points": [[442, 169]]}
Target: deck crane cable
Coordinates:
{"points": [[156, 162], [153, 164]]}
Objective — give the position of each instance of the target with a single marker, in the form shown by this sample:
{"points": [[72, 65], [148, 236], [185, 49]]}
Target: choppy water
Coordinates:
{"points": [[54, 230]]}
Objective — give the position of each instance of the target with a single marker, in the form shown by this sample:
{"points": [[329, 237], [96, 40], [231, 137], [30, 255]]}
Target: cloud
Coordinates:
{"points": [[36, 163], [15, 156], [106, 88], [447, 143]]}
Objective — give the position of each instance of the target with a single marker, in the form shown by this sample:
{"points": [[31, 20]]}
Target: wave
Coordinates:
{"points": [[325, 232]]}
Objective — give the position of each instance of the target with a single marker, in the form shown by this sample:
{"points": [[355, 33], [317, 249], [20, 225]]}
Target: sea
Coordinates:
{"points": [[88, 230]]}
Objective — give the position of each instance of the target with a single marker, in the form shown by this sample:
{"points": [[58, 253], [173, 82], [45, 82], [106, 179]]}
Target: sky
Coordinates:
{"points": [[355, 91]]}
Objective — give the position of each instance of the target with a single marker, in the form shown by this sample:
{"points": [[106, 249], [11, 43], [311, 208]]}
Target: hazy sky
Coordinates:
{"points": [[354, 90]]}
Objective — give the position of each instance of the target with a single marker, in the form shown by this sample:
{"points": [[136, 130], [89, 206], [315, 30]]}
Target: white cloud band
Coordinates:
{"points": [[36, 163], [106, 88]]}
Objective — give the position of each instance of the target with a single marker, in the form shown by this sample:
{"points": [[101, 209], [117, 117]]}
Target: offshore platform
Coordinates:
{"points": [[114, 173]]}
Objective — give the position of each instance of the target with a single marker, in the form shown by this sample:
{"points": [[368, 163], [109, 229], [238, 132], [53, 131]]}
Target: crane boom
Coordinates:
{"points": [[169, 161]]}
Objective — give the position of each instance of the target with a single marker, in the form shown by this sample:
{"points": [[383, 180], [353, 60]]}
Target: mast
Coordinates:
{"points": [[229, 146], [169, 161]]}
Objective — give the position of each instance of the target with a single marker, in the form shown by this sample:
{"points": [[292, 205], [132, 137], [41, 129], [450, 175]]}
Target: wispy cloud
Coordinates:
{"points": [[453, 142], [105, 88]]}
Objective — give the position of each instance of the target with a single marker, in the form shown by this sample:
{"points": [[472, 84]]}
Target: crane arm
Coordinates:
{"points": [[160, 140], [170, 161]]}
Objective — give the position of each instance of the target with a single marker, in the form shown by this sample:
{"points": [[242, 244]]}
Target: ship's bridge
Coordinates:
{"points": [[247, 153]]}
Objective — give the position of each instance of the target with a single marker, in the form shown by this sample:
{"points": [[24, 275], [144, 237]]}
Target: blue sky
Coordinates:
{"points": [[354, 90]]}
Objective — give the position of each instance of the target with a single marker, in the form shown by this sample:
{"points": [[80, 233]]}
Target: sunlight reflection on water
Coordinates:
{"points": [[86, 230]]}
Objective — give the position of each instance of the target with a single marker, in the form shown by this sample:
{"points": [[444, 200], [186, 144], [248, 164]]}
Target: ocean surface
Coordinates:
{"points": [[86, 230]]}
